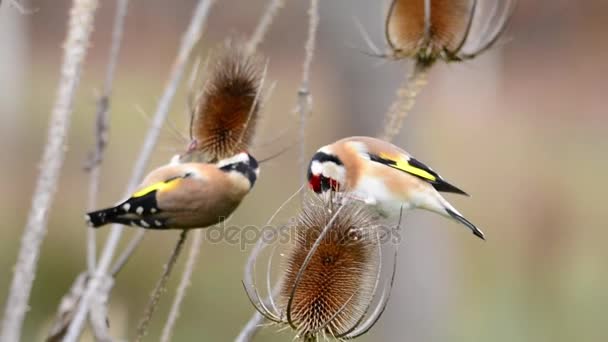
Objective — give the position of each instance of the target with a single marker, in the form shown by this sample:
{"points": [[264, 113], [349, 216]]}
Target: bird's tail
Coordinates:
{"points": [[456, 216], [102, 217], [438, 204]]}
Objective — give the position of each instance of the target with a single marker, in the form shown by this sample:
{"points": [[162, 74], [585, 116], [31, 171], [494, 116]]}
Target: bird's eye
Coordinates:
{"points": [[188, 174]]}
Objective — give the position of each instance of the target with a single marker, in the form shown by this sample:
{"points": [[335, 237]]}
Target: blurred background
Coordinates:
{"points": [[523, 129]]}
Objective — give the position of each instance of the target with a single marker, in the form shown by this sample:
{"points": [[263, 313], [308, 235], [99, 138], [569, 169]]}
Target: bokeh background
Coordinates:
{"points": [[523, 128]]}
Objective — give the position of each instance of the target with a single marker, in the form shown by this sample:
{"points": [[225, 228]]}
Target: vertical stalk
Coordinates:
{"points": [[405, 101]]}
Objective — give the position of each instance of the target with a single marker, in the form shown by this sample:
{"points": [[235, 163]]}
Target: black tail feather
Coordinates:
{"points": [[102, 217], [467, 223]]}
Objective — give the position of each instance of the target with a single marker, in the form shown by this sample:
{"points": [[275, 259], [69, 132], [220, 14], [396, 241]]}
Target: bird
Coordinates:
{"points": [[184, 195], [384, 176]]}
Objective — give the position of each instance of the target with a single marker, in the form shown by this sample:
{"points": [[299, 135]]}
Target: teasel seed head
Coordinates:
{"points": [[331, 273], [225, 112], [428, 30]]}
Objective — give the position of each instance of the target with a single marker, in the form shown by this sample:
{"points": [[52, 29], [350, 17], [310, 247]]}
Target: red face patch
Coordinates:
{"points": [[314, 182], [320, 184]]}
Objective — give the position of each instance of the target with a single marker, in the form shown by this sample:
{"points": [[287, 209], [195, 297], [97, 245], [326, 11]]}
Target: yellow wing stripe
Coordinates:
{"points": [[166, 185], [403, 165]]}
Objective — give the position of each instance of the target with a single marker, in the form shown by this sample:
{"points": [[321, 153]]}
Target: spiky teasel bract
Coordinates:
{"points": [[428, 30], [330, 278], [226, 111]]}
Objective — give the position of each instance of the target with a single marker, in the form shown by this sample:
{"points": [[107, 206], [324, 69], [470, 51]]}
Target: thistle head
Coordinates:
{"points": [[330, 273]]}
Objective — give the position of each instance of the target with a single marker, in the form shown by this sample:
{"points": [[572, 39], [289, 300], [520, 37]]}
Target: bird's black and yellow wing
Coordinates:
{"points": [[141, 209], [415, 168]]}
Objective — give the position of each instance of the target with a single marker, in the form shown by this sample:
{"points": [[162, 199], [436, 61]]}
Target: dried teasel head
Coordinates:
{"points": [[225, 112], [330, 274], [428, 30]]}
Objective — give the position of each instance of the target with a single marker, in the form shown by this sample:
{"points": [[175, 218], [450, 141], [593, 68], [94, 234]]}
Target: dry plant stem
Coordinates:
{"points": [[160, 288], [251, 328], [80, 26], [405, 101], [304, 97], [184, 283], [272, 9], [189, 40], [101, 125]]}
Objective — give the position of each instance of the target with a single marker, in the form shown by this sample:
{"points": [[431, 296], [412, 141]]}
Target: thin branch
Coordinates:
{"points": [[189, 40], [251, 328], [304, 98], [405, 101], [80, 27], [184, 283], [272, 9], [101, 126], [160, 288]]}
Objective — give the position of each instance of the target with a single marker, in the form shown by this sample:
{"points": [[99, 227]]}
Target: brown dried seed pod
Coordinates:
{"points": [[428, 30], [330, 293], [406, 24], [329, 280], [226, 112]]}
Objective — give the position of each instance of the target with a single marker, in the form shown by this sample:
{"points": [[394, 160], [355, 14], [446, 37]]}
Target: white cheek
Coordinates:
{"points": [[316, 168]]}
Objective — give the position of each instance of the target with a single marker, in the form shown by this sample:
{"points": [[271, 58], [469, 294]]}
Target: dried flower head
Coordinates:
{"points": [[331, 272], [225, 113], [427, 30]]}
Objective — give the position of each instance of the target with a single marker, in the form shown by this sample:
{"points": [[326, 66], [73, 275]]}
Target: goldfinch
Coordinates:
{"points": [[383, 175], [181, 196]]}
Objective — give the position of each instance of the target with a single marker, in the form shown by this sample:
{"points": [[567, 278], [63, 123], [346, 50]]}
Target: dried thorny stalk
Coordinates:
{"points": [[69, 302], [184, 283], [189, 40], [405, 101], [431, 30], [80, 26], [304, 98], [331, 274], [160, 288]]}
